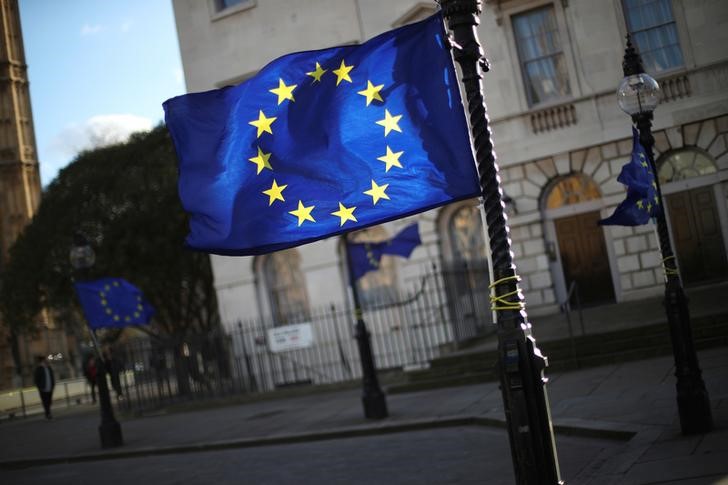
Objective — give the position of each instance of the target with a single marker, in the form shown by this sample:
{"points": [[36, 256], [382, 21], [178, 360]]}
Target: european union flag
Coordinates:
{"points": [[113, 302], [642, 201], [365, 257], [324, 142]]}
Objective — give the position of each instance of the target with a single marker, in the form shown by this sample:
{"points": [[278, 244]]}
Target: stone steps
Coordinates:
{"points": [[591, 351]]}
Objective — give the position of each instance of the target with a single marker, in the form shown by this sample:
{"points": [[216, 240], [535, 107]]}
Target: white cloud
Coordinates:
{"points": [[95, 132], [88, 29]]}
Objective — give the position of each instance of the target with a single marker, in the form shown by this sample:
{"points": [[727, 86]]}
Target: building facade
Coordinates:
{"points": [[560, 137]]}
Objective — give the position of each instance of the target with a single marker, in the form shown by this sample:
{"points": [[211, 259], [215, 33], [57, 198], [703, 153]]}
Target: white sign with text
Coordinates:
{"points": [[290, 337]]}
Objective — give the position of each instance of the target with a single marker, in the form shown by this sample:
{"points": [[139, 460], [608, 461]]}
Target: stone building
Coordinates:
{"points": [[560, 137]]}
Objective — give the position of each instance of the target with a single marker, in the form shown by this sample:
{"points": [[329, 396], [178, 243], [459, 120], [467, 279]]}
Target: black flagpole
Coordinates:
{"points": [[520, 362], [373, 399]]}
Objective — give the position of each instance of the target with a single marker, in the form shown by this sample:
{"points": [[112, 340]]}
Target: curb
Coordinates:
{"points": [[582, 429]]}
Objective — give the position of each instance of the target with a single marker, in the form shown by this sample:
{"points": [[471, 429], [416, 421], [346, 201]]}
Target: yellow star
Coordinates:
{"points": [[263, 123], [657, 201], [649, 206], [390, 122], [372, 92], [275, 192], [284, 92], [654, 185], [303, 213], [261, 160], [640, 204], [643, 163], [342, 73], [345, 214], [391, 159], [316, 75], [377, 192]]}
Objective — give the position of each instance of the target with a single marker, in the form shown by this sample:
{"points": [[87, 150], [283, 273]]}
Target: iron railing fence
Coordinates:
{"points": [[408, 329]]}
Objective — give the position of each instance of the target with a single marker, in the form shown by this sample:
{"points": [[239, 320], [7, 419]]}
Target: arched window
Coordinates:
{"points": [[464, 270], [377, 287], [572, 189], [465, 231], [684, 164], [286, 287]]}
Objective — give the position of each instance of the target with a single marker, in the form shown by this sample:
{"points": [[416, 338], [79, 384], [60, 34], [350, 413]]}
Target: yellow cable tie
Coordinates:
{"points": [[503, 280], [669, 271], [505, 304]]}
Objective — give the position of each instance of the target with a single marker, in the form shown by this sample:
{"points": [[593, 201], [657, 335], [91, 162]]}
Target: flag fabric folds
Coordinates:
{"points": [[323, 142], [113, 302], [365, 257], [642, 201]]}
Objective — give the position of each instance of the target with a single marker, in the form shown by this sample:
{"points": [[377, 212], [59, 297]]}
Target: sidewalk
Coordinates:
{"points": [[614, 424]]}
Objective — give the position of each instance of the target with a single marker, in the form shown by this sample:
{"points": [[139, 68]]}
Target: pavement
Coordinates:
{"points": [[614, 424]]}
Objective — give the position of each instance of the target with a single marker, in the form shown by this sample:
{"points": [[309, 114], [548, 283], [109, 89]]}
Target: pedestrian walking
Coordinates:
{"points": [[90, 371], [45, 381], [113, 367]]}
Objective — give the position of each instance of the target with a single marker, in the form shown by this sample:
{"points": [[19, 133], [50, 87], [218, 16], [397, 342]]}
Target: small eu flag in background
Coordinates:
{"points": [[113, 302], [642, 201], [324, 142], [365, 257]]}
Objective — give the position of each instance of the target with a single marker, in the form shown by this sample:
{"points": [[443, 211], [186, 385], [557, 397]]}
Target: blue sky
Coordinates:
{"points": [[98, 70]]}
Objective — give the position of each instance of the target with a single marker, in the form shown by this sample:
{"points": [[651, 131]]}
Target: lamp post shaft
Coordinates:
{"points": [[109, 429], [693, 402], [373, 399], [520, 363]]}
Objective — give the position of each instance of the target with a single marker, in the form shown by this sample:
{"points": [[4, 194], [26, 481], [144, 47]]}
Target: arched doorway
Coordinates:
{"points": [[573, 203], [694, 217]]}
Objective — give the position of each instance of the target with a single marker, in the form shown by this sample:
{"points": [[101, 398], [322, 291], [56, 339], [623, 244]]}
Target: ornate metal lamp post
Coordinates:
{"points": [[520, 362], [373, 399], [638, 96], [82, 259]]}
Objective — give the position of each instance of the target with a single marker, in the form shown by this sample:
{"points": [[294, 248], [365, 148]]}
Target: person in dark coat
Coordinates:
{"points": [[90, 371], [45, 381], [113, 368]]}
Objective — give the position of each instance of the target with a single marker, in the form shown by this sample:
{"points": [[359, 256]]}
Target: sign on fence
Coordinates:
{"points": [[290, 337]]}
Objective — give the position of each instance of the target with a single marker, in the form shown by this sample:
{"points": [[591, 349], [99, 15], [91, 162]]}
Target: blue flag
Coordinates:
{"points": [[113, 302], [365, 257], [642, 201], [324, 142]]}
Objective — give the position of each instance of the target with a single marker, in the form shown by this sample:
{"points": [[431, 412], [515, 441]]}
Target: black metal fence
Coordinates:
{"points": [[444, 306]]}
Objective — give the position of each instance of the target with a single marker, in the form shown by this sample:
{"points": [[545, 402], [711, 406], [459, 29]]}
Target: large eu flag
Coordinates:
{"points": [[642, 201], [113, 302], [323, 142], [365, 257]]}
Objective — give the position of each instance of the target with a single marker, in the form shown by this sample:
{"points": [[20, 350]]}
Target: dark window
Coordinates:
{"points": [[653, 30], [223, 4], [542, 60]]}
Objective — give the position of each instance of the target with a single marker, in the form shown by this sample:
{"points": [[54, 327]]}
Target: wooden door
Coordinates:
{"points": [[697, 235], [584, 257]]}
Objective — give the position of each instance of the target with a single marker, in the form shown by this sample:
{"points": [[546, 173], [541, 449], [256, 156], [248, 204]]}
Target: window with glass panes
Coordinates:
{"points": [[286, 286], [542, 59], [653, 30]]}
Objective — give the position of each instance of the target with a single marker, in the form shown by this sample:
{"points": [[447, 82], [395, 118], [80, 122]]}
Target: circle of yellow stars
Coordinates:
{"points": [[111, 312], [646, 203], [372, 94]]}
